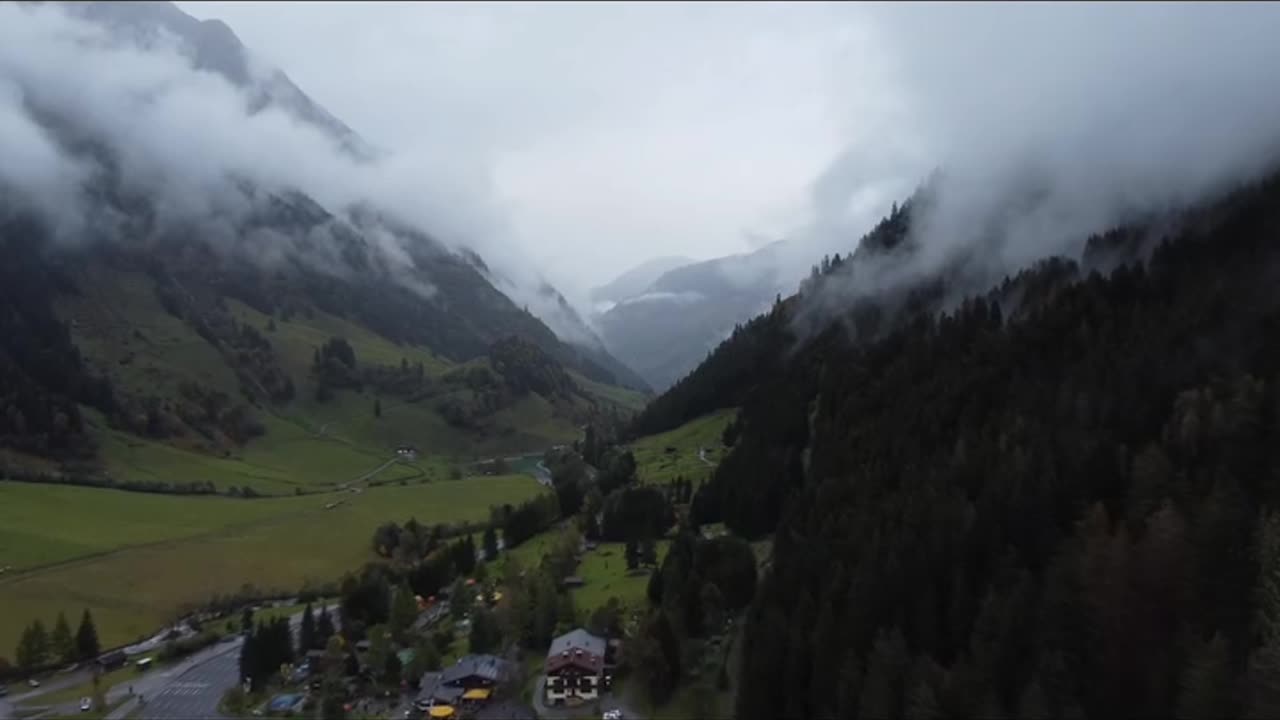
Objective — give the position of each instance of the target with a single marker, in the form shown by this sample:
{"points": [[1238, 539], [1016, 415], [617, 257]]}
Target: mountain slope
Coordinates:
{"points": [[663, 331], [214, 47], [634, 281], [221, 324], [976, 512]]}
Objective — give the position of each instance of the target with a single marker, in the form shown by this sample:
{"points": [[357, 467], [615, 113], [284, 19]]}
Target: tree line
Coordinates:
{"points": [[39, 647], [1054, 499]]}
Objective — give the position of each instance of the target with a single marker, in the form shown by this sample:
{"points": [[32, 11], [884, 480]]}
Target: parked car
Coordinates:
{"points": [[85, 704], [33, 683], [3, 691]]}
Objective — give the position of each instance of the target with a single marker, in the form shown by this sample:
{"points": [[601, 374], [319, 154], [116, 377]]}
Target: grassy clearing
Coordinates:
{"points": [[655, 463], [529, 553], [605, 575], [603, 570], [136, 589], [121, 328], [623, 398], [287, 459], [530, 424], [296, 339]]}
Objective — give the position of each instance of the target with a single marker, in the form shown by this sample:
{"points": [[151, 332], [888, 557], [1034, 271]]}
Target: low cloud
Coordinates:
{"points": [[82, 104], [1050, 122]]}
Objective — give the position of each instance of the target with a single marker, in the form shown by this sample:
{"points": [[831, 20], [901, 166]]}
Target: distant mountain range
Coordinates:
{"points": [[662, 318]]}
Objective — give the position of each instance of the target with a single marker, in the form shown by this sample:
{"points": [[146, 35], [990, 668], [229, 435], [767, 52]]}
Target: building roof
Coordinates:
{"points": [[577, 639], [579, 648], [434, 690], [488, 668]]}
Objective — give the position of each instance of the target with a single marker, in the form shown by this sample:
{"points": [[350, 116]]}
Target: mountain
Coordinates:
{"points": [[214, 47], [266, 320], [634, 281], [663, 330], [1009, 501]]}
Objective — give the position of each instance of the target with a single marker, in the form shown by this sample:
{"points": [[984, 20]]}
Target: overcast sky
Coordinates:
{"points": [[611, 133], [592, 137]]}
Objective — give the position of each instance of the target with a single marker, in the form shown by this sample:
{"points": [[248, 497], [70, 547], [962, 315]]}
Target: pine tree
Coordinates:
{"points": [[86, 638], [39, 647], [490, 542], [922, 704], [248, 661], [632, 555], [377, 408], [403, 611], [882, 689], [307, 632], [1206, 685], [331, 686], [324, 627], [379, 648], [1033, 705], [25, 654], [649, 552], [62, 644]]}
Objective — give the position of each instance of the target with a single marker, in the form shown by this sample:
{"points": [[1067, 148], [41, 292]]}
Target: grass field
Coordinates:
{"points": [[195, 549], [287, 458], [622, 397], [603, 570], [655, 464], [297, 338], [605, 575]]}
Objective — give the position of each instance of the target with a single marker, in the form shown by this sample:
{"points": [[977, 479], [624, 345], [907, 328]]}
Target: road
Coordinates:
{"points": [[190, 689], [197, 692]]}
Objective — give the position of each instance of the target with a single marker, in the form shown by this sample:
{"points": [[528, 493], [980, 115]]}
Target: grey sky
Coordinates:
{"points": [[591, 137], [609, 133]]}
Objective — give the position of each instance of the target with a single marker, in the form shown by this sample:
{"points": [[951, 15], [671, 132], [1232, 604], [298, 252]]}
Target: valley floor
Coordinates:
{"points": [[135, 559]]}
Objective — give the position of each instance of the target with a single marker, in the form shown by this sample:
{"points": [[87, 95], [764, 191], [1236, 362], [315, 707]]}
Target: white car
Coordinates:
{"points": [[85, 704], [33, 682], [613, 715]]}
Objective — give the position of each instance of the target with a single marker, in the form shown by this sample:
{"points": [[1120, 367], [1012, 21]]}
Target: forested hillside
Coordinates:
{"points": [[1055, 499]]}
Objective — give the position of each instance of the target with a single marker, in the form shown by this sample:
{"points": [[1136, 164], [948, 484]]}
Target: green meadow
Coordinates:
{"points": [[135, 559]]}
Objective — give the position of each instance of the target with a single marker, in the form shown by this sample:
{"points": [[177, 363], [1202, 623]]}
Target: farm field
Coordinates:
{"points": [[186, 549], [656, 464]]}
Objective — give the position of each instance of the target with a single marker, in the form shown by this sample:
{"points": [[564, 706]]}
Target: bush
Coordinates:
{"points": [[175, 649]]}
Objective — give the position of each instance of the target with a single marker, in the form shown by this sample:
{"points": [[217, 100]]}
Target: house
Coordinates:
{"points": [[575, 668], [112, 660], [471, 679], [407, 452], [476, 671], [573, 581]]}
